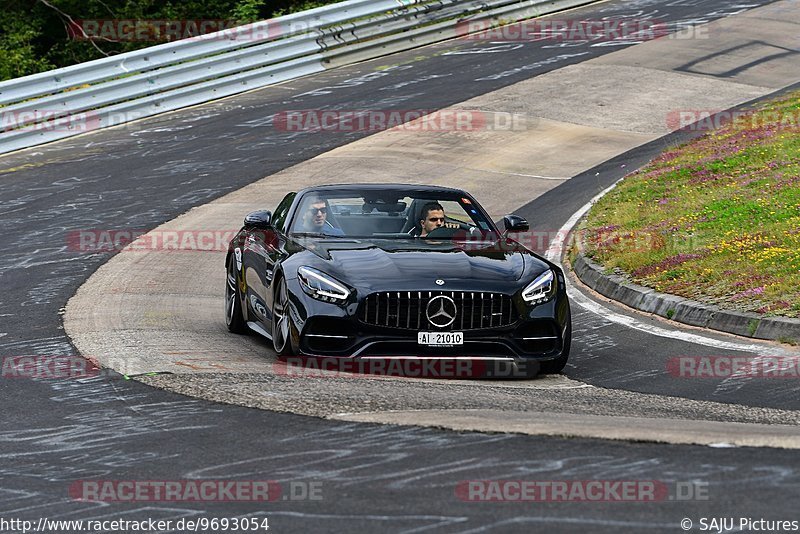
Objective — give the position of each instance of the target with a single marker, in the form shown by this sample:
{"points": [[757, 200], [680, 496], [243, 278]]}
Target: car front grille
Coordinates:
{"points": [[407, 309]]}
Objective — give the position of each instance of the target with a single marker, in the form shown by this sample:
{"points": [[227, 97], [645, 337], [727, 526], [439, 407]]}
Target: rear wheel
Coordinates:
{"points": [[281, 325], [234, 319], [556, 366]]}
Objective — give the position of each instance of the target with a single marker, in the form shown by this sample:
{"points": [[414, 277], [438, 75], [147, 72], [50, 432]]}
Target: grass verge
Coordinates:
{"points": [[716, 220]]}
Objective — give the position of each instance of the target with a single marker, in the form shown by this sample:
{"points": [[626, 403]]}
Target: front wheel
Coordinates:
{"points": [[281, 325], [234, 319]]}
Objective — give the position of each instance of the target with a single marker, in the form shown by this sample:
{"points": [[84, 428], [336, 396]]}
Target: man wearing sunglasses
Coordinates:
{"points": [[315, 218], [432, 218]]}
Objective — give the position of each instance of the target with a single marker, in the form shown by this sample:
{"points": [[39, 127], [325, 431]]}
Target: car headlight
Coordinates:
{"points": [[540, 289], [322, 286]]}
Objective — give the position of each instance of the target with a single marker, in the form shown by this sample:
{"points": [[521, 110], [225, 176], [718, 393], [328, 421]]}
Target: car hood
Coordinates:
{"points": [[374, 262]]}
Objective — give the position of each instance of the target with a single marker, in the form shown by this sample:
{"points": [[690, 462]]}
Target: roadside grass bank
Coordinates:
{"points": [[716, 220]]}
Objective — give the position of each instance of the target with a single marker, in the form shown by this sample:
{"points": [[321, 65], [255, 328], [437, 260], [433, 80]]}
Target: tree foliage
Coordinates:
{"points": [[35, 34]]}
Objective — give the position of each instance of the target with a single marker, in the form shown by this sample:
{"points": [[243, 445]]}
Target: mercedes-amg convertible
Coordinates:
{"points": [[395, 271]]}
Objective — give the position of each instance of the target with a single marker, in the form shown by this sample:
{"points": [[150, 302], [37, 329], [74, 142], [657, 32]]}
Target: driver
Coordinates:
{"points": [[315, 218], [432, 218]]}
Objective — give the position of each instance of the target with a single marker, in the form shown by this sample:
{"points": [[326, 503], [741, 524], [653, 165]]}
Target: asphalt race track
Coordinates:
{"points": [[400, 479]]}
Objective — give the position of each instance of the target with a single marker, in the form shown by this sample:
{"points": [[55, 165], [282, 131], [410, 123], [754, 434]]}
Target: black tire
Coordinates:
{"points": [[234, 319], [281, 323], [556, 366]]}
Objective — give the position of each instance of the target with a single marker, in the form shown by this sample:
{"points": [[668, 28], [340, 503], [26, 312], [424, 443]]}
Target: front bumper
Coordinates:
{"points": [[329, 330]]}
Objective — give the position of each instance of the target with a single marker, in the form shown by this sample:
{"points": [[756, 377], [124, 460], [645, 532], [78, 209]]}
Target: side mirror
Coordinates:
{"points": [[258, 219], [513, 223]]}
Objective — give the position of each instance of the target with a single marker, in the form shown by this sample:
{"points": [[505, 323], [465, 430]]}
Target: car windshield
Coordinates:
{"points": [[388, 214]]}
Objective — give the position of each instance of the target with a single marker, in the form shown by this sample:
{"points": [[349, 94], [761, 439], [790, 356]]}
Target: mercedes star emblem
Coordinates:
{"points": [[441, 311], [439, 282]]}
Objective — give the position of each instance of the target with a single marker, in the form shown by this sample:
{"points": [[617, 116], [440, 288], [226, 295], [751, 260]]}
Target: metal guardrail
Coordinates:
{"points": [[64, 102]]}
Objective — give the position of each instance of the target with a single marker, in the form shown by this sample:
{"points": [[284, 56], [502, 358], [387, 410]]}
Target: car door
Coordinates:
{"points": [[256, 281], [263, 251]]}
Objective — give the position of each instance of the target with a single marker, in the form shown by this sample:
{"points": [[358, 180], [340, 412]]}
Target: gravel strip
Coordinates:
{"points": [[323, 397]]}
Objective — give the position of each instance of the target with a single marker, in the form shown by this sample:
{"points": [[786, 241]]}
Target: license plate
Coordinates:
{"points": [[440, 339]]}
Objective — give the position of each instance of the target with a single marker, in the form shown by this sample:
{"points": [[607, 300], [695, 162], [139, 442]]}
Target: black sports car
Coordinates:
{"points": [[395, 271]]}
